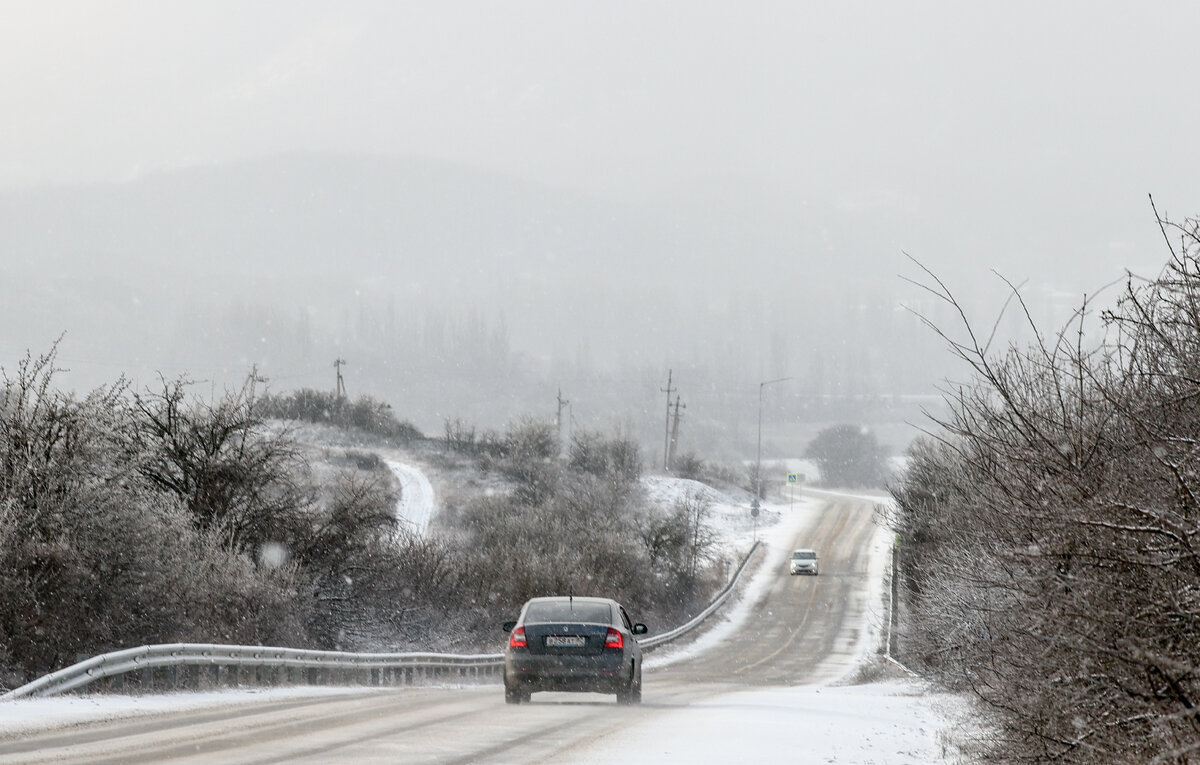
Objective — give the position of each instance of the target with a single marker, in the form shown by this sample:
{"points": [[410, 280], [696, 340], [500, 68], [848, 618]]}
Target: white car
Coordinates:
{"points": [[804, 562]]}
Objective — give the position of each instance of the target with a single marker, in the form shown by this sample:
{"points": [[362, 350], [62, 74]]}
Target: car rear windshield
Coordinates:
{"points": [[565, 611], [804, 555]]}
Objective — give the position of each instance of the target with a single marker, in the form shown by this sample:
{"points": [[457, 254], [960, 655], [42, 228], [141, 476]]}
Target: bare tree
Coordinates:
{"points": [[219, 460]]}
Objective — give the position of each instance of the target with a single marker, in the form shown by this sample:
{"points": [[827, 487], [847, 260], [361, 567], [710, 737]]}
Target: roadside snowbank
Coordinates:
{"points": [[894, 722], [62, 711]]}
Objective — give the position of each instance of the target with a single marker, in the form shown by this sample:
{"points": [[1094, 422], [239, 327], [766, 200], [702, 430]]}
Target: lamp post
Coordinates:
{"points": [[758, 458]]}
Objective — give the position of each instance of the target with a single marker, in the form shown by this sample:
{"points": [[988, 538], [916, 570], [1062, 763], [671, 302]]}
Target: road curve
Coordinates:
{"points": [[416, 505], [800, 630]]}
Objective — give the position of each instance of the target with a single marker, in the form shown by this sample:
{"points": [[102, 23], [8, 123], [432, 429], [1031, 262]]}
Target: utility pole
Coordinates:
{"points": [[758, 455], [675, 432], [256, 378], [667, 428], [341, 384], [562, 403]]}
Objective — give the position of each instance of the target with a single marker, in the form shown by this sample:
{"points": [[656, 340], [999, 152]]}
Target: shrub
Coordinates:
{"points": [[848, 456], [365, 413]]}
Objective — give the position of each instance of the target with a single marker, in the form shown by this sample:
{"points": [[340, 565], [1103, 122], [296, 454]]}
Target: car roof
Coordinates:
{"points": [[804, 549], [566, 598]]}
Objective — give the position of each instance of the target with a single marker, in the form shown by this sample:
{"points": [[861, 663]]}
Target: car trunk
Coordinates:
{"points": [[566, 639]]}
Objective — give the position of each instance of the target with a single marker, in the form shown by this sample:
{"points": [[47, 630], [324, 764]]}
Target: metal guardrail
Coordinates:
{"points": [[666, 637], [261, 665]]}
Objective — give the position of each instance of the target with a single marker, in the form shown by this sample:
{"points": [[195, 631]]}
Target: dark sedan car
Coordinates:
{"points": [[573, 644]]}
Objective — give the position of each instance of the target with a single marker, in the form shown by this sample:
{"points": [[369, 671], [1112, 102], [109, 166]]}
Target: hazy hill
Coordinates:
{"points": [[418, 223], [452, 290]]}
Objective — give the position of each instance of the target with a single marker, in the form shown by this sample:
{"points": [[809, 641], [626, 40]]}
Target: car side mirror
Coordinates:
{"points": [[508, 626], [640, 629]]}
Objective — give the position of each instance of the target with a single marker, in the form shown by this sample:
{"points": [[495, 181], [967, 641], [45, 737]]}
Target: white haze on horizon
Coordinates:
{"points": [[805, 147]]}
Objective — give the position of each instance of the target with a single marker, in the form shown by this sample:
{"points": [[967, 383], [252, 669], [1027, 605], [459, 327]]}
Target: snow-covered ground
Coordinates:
{"points": [[728, 512], [893, 722]]}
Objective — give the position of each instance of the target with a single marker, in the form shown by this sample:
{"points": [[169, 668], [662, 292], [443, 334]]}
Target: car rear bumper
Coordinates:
{"points": [[603, 673]]}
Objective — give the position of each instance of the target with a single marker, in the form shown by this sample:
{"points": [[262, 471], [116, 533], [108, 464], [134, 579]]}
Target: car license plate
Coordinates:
{"points": [[565, 641]]}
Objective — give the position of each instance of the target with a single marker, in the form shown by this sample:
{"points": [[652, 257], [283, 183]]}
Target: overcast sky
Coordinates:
{"points": [[1067, 114]]}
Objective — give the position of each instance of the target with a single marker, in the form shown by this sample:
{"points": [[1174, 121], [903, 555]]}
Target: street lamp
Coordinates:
{"points": [[758, 459]]}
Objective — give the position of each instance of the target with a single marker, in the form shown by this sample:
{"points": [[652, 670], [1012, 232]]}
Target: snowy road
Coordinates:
{"points": [[415, 508], [762, 692], [801, 629]]}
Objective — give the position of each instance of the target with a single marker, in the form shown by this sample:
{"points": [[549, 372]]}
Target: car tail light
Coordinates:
{"points": [[614, 639], [517, 638]]}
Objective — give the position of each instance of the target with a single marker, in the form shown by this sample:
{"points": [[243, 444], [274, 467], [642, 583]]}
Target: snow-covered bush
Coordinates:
{"points": [[1049, 538], [133, 518], [96, 556], [583, 531]]}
